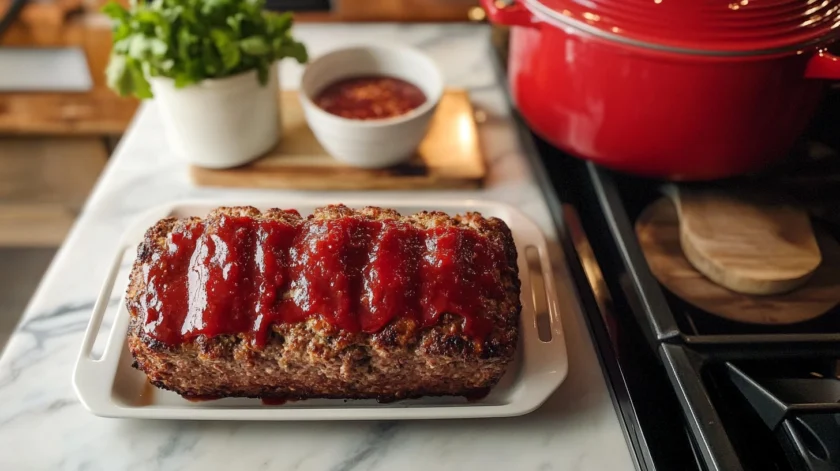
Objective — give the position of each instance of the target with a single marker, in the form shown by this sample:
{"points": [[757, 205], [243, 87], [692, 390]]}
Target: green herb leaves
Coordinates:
{"points": [[193, 40], [228, 48]]}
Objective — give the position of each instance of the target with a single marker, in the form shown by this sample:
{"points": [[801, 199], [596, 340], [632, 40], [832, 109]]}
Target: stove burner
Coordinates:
{"points": [[803, 412]]}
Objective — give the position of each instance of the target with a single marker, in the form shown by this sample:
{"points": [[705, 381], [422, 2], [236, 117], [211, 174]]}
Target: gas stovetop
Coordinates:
{"points": [[696, 391]]}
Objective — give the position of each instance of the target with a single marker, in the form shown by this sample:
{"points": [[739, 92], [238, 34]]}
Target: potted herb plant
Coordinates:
{"points": [[211, 65]]}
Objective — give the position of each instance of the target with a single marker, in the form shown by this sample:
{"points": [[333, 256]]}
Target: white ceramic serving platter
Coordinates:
{"points": [[108, 386]]}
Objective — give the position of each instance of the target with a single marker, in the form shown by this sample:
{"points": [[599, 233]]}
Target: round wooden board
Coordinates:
{"points": [[659, 236]]}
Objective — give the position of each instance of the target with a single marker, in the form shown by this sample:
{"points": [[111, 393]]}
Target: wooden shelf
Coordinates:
{"points": [[62, 23], [98, 112], [43, 185]]}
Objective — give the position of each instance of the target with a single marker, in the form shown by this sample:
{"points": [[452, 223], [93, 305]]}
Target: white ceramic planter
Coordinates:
{"points": [[220, 123]]}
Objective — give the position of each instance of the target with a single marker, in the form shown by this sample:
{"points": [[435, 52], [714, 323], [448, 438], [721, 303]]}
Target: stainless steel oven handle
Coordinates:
{"points": [[605, 337], [597, 282], [591, 268]]}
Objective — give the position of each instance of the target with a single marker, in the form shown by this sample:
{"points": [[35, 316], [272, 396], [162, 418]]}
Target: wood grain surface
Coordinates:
{"points": [[99, 112], [745, 241], [659, 236], [449, 157], [43, 186]]}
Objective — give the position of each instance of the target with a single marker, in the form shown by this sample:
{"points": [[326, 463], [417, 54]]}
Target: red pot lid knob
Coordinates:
{"points": [[729, 27]]}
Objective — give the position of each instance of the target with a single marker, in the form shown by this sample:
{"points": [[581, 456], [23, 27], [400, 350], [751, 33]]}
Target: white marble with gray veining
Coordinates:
{"points": [[44, 427]]}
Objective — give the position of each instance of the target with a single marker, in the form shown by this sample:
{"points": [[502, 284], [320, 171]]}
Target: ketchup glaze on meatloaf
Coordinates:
{"points": [[241, 275]]}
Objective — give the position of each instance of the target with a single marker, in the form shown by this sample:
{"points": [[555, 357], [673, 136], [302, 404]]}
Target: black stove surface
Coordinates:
{"points": [[644, 398], [778, 413]]}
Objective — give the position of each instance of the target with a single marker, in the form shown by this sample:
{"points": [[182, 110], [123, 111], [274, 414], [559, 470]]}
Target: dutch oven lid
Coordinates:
{"points": [[715, 27]]}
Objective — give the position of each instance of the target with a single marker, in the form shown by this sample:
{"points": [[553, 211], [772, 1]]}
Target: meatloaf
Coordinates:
{"points": [[343, 303]]}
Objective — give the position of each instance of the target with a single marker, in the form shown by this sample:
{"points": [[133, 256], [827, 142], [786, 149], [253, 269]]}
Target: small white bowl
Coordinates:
{"points": [[371, 143]]}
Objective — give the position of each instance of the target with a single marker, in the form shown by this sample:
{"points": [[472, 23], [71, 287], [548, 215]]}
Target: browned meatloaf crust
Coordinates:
{"points": [[314, 359]]}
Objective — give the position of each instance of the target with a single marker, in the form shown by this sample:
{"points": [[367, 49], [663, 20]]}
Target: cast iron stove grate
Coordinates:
{"points": [[776, 414]]}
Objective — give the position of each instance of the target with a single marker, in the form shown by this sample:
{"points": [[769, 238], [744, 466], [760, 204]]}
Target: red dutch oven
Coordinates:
{"points": [[676, 89]]}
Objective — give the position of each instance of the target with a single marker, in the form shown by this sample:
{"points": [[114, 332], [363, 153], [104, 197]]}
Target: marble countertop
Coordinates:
{"points": [[43, 425]]}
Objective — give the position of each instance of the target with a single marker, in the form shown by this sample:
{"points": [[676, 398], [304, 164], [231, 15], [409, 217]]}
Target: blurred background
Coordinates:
{"points": [[59, 122]]}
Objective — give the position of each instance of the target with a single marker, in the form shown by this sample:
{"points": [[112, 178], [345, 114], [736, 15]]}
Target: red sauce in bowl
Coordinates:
{"points": [[370, 97]]}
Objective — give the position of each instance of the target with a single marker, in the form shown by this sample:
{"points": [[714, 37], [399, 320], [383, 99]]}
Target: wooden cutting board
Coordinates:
{"points": [[659, 236], [449, 157], [746, 241]]}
